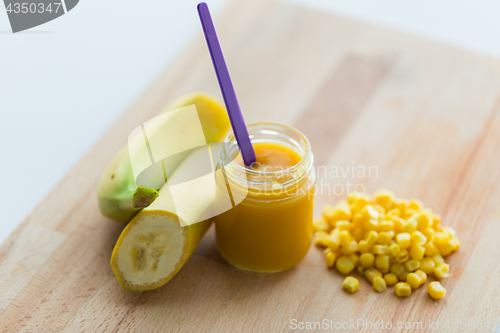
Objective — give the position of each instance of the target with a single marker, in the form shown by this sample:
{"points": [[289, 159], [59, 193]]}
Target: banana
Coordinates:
{"points": [[155, 245], [119, 196]]}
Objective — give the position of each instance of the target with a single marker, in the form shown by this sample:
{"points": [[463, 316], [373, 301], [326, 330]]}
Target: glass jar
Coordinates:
{"points": [[269, 228]]}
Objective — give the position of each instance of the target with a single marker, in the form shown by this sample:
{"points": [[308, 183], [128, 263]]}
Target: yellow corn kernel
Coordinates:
{"points": [[441, 270], [382, 263], [363, 246], [410, 225], [379, 249], [330, 257], [344, 265], [372, 224], [320, 238], [397, 269], [450, 230], [369, 212], [351, 247], [438, 259], [327, 250], [361, 202], [417, 252], [361, 270], [352, 197], [384, 238], [413, 280], [423, 220], [421, 274], [383, 197], [446, 248], [402, 256], [379, 284], [333, 241], [371, 273], [403, 240], [441, 238], [416, 204], [354, 258], [390, 279], [402, 276], [436, 220], [431, 249], [394, 212], [343, 211], [379, 208], [343, 225], [344, 237], [410, 213], [402, 205], [367, 260], [427, 265], [386, 225], [398, 223], [351, 284], [455, 243], [371, 238], [436, 290], [321, 225], [328, 213], [394, 249], [357, 220], [418, 238], [402, 289], [358, 234], [412, 265], [429, 233]]}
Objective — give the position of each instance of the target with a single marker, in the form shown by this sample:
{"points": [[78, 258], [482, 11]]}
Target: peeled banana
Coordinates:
{"points": [[119, 196], [156, 243]]}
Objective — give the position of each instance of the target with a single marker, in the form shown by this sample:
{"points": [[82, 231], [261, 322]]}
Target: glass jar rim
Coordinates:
{"points": [[305, 161]]}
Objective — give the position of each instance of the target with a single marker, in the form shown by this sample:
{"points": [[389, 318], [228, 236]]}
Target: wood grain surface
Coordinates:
{"points": [[424, 116]]}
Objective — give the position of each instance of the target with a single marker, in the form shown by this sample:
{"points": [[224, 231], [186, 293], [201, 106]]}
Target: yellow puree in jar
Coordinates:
{"points": [[268, 231], [273, 157]]}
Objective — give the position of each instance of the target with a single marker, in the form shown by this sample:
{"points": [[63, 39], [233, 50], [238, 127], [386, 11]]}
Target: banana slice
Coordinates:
{"points": [[153, 248]]}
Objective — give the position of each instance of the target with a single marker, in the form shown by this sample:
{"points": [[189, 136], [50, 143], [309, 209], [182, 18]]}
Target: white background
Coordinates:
{"points": [[62, 84]]}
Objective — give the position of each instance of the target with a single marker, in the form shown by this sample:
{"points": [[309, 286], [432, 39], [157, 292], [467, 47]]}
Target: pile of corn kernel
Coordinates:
{"points": [[388, 240]]}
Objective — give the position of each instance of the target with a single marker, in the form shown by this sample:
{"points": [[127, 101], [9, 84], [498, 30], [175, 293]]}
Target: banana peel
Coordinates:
{"points": [[119, 196]]}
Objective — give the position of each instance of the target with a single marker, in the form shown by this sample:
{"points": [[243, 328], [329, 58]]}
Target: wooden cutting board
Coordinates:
{"points": [[424, 116]]}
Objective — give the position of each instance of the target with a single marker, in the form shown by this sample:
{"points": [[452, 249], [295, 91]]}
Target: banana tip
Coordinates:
{"points": [[144, 196]]}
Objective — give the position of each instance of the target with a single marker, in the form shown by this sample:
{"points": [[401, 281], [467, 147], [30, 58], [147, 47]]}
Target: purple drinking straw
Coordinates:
{"points": [[226, 86]]}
